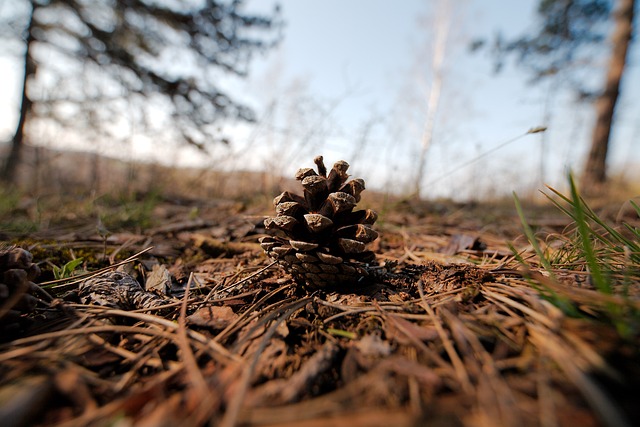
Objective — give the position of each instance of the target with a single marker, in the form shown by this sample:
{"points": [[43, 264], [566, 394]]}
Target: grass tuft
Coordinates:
{"points": [[607, 254], [547, 292]]}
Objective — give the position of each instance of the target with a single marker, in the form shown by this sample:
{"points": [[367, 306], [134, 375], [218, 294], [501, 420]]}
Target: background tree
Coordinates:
{"points": [[128, 59], [594, 174], [564, 48]]}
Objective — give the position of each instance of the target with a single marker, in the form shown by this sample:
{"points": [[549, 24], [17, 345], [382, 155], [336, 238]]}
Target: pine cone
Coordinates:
{"points": [[17, 272], [318, 237]]}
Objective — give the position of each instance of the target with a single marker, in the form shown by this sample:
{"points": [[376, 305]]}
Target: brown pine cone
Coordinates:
{"points": [[317, 237], [17, 272]]}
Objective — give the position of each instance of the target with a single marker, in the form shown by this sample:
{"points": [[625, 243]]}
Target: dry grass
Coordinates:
{"points": [[461, 331], [465, 340]]}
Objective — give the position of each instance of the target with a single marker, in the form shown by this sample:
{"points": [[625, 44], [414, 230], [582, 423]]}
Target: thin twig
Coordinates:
{"points": [[247, 315], [198, 382], [233, 285], [458, 366], [235, 405]]}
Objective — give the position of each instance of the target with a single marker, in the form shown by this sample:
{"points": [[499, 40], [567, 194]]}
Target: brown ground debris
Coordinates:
{"points": [[451, 334]]}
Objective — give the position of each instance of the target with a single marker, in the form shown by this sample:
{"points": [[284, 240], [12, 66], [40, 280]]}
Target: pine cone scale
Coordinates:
{"points": [[17, 272]]}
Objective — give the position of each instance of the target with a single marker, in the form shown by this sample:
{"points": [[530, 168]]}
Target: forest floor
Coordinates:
{"points": [[459, 331]]}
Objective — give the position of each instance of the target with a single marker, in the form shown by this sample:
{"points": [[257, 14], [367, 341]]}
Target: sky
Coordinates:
{"points": [[352, 80]]}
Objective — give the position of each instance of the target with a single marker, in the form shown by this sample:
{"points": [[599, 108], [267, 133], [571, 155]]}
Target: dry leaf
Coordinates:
{"points": [[462, 242], [159, 280], [213, 317]]}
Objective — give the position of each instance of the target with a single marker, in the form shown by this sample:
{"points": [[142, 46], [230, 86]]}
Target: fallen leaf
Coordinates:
{"points": [[462, 242], [213, 317], [159, 279]]}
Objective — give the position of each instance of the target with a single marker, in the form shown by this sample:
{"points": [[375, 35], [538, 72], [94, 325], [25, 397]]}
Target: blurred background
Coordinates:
{"points": [[438, 99]]}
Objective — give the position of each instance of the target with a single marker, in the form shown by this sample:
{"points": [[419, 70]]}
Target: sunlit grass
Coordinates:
{"points": [[13, 217], [607, 254], [22, 213], [125, 211]]}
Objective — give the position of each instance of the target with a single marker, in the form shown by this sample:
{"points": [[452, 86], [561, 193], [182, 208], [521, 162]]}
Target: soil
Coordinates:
{"points": [[452, 332]]}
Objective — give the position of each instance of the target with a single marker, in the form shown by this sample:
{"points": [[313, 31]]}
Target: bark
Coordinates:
{"points": [[594, 174], [13, 158]]}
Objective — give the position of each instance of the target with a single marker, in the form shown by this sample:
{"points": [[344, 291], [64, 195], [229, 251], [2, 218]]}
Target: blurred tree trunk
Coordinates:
{"points": [[10, 168], [594, 174], [433, 99]]}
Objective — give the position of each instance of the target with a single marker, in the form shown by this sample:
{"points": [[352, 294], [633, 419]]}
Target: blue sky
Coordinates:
{"points": [[373, 59], [351, 80]]}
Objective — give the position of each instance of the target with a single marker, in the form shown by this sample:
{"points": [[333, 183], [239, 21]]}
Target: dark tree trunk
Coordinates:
{"points": [[13, 159], [595, 173]]}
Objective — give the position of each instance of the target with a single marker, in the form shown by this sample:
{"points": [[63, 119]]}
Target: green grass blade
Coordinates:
{"points": [[616, 238], [599, 280], [609, 236], [342, 333], [532, 238], [545, 292]]}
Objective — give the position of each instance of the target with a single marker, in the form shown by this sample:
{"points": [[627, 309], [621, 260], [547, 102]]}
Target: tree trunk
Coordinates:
{"points": [[13, 159], [433, 99], [594, 175]]}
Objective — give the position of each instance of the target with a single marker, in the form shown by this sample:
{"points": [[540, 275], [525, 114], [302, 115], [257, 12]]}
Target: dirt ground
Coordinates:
{"points": [[453, 331]]}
